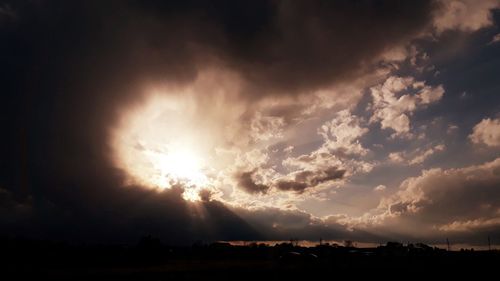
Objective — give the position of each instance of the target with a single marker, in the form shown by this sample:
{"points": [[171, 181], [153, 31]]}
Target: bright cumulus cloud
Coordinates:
{"points": [[486, 132], [393, 102]]}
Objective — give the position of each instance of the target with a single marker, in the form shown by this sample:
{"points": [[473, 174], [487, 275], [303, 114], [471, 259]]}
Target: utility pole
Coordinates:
{"points": [[489, 243], [448, 243]]}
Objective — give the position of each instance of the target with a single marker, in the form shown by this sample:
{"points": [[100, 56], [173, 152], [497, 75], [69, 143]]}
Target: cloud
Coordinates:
{"points": [[396, 157], [415, 157], [264, 128], [341, 146], [251, 160], [423, 155], [341, 134], [451, 129], [7, 14], [495, 39], [288, 149], [278, 224], [248, 183], [331, 162], [380, 187], [311, 173], [459, 200], [121, 215], [470, 225], [392, 109], [300, 39], [13, 210], [334, 160], [464, 15], [486, 132], [277, 47], [303, 179]]}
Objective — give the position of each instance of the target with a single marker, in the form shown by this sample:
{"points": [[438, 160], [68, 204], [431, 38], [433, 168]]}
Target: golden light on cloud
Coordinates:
{"points": [[198, 136], [181, 135]]}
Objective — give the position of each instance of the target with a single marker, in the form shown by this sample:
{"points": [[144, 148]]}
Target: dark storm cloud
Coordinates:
{"points": [[6, 14], [67, 67], [305, 179], [280, 224], [293, 46], [247, 182], [298, 182]]}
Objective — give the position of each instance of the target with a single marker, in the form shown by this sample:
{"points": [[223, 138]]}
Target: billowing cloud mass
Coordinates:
{"points": [[461, 201], [464, 15], [495, 39], [342, 133], [333, 160], [394, 109], [231, 120], [486, 132], [415, 157], [266, 127]]}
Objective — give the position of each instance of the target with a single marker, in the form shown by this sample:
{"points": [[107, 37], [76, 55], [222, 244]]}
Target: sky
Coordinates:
{"points": [[192, 121]]}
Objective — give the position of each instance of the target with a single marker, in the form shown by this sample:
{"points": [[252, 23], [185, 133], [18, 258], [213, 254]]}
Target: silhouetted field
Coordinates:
{"points": [[151, 260]]}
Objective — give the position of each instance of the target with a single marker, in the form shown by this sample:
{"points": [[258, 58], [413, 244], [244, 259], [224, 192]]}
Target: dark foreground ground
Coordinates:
{"points": [[150, 260]]}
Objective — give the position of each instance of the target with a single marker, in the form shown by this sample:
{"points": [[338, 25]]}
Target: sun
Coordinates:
{"points": [[180, 164], [163, 143]]}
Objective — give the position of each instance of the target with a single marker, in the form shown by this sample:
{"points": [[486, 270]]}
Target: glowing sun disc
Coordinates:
{"points": [[158, 145], [179, 164]]}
